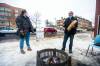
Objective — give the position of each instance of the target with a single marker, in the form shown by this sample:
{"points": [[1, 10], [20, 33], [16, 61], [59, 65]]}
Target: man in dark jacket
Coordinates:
{"points": [[69, 34], [24, 28]]}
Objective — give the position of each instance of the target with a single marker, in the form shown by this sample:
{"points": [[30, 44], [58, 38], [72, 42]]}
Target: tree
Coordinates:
{"points": [[37, 16], [37, 19]]}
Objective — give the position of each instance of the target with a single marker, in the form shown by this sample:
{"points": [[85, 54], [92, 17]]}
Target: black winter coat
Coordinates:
{"points": [[24, 23], [67, 23]]}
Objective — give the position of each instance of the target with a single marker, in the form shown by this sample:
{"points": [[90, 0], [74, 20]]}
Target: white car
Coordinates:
{"points": [[7, 30]]}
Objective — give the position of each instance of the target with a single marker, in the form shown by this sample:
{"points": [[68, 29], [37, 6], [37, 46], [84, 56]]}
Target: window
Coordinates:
{"points": [[2, 22], [16, 11], [2, 8], [5, 13], [2, 13], [1, 17], [16, 15], [9, 14], [7, 9]]}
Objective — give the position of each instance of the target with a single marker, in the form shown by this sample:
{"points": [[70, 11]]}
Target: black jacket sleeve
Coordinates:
{"points": [[31, 26], [65, 23], [18, 22]]}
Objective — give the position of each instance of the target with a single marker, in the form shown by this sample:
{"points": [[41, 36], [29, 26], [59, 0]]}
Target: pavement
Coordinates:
{"points": [[10, 54]]}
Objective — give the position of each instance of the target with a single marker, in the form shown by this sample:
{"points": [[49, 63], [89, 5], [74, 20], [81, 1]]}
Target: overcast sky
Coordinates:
{"points": [[51, 9]]}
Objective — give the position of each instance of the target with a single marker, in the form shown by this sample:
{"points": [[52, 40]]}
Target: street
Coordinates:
{"points": [[10, 54]]}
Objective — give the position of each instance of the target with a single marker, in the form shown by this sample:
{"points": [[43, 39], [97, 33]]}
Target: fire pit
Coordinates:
{"points": [[51, 57]]}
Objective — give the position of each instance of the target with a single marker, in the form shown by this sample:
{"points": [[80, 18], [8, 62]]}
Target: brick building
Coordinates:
{"points": [[8, 15], [60, 22], [84, 23], [97, 18]]}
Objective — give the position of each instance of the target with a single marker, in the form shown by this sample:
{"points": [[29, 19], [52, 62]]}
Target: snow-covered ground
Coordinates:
{"points": [[11, 56]]}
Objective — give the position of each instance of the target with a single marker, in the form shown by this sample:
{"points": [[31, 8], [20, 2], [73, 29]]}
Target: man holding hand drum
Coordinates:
{"points": [[70, 26]]}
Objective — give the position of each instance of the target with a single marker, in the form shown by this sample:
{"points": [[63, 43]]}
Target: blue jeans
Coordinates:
{"points": [[27, 38], [66, 36]]}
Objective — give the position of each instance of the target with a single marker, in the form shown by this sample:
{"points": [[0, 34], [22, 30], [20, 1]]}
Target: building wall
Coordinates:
{"points": [[96, 16], [84, 24], [8, 15]]}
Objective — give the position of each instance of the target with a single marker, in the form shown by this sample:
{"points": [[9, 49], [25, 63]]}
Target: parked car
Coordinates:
{"points": [[50, 30], [7, 30]]}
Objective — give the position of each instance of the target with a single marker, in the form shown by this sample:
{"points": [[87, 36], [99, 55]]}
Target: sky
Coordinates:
{"points": [[54, 9]]}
